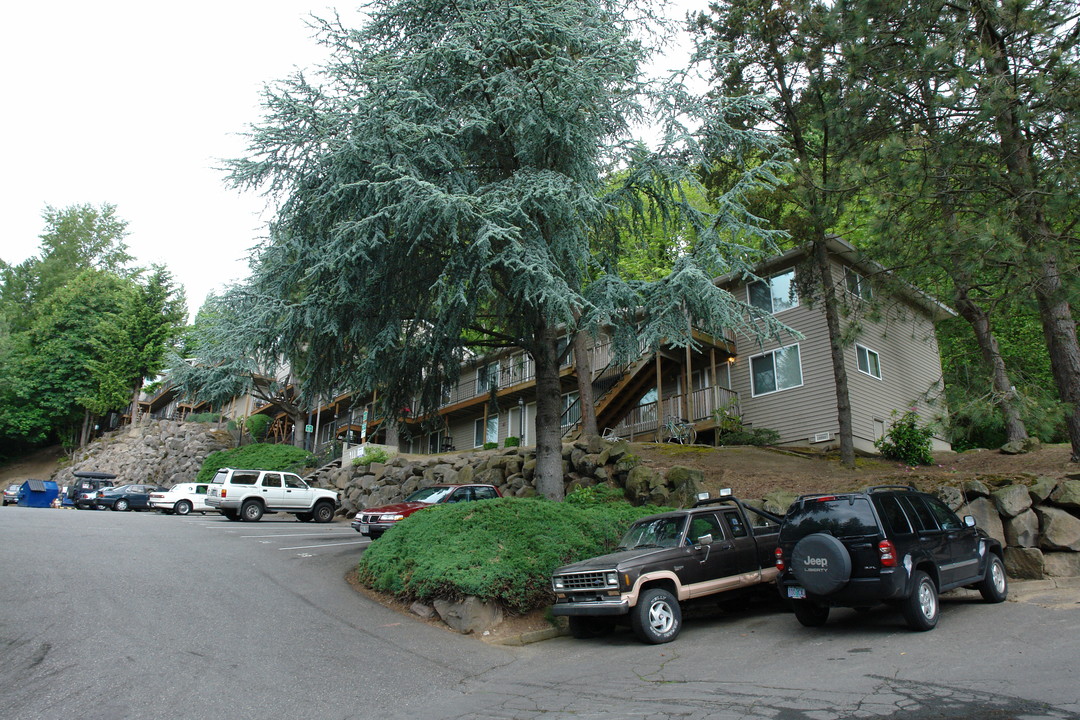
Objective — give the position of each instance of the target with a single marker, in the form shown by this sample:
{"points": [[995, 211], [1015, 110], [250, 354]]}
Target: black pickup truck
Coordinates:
{"points": [[664, 560]]}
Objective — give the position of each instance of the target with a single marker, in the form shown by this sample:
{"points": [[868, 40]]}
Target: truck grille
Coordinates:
{"points": [[584, 581]]}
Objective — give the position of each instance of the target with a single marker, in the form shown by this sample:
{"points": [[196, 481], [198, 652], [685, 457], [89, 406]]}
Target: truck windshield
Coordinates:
{"points": [[659, 532]]}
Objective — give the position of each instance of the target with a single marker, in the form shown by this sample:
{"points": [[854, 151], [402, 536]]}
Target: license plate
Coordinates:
{"points": [[363, 529], [796, 593]]}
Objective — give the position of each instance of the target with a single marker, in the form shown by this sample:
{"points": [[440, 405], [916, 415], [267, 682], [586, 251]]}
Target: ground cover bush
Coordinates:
{"points": [[260, 456], [498, 550]]}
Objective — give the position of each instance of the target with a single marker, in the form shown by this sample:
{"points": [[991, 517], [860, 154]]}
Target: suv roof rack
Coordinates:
{"points": [[879, 488]]}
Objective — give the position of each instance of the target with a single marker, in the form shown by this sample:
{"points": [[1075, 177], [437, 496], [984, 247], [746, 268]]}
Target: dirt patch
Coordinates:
{"points": [[40, 465], [753, 472]]}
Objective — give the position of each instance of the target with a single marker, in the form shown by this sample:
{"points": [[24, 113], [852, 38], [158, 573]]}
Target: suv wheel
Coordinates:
{"points": [[995, 586], [921, 608], [251, 511], [323, 513], [821, 563], [810, 614], [590, 627], [656, 618]]}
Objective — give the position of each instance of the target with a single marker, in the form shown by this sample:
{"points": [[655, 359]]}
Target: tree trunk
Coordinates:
{"points": [[1059, 328], [548, 477], [84, 436], [1004, 394], [832, 319], [393, 434], [584, 370], [135, 402]]}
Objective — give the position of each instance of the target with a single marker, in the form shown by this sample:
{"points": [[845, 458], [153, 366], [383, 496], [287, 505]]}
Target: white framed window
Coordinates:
{"points": [[570, 403], [487, 376], [780, 369], [868, 361], [485, 432], [435, 442], [775, 293], [857, 285]]}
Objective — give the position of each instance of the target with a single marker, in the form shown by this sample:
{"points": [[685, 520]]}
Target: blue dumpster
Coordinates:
{"points": [[38, 493]]}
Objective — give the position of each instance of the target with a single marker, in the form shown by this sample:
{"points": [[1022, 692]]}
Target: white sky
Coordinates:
{"points": [[133, 103]]}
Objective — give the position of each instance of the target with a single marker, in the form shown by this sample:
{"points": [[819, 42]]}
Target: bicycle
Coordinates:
{"points": [[611, 435], [677, 430]]}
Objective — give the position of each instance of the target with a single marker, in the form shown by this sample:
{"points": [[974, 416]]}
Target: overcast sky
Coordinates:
{"points": [[134, 103]]}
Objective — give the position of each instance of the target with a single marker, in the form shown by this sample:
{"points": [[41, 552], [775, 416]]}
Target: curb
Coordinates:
{"points": [[532, 637]]}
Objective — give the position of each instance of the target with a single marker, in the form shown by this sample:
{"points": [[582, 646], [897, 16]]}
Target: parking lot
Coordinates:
{"points": [[140, 615]]}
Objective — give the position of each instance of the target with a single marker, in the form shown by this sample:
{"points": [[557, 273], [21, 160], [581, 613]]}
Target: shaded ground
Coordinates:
{"points": [[40, 465]]}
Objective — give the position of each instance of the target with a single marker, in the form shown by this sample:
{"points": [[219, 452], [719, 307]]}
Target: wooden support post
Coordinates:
{"points": [[659, 393]]}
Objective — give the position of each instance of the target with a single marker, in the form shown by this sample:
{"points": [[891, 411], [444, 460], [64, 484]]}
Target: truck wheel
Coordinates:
{"points": [[323, 513], [921, 609], [995, 586], [821, 563], [590, 627], [810, 614], [251, 511], [182, 508], [656, 618]]}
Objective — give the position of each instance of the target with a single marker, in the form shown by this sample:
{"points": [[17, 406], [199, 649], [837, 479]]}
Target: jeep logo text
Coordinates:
{"points": [[816, 562]]}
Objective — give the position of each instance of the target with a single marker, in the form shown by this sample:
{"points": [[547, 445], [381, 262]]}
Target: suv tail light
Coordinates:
{"points": [[779, 559], [887, 552], [222, 492]]}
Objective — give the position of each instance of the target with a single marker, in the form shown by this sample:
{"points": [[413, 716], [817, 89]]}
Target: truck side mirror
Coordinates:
{"points": [[969, 521], [705, 539]]}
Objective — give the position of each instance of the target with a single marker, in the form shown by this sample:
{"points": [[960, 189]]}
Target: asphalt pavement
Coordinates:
{"points": [[141, 615]]}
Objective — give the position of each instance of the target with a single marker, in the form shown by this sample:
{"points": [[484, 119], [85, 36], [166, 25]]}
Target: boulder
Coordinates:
{"points": [[469, 615], [1019, 447], [1022, 530], [1011, 500], [683, 484], [975, 489], [951, 496], [626, 463], [425, 611], [1066, 494], [1060, 530], [1041, 489], [986, 516], [640, 482], [1024, 563], [1062, 564]]}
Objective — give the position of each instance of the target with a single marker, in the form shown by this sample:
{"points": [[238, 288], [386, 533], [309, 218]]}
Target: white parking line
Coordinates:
{"points": [[296, 534], [305, 547]]}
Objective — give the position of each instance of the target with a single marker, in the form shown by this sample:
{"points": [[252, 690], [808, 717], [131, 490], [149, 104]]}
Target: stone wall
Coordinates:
{"points": [[1038, 522], [163, 452]]}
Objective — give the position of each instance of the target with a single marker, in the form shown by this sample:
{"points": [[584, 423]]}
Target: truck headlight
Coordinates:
{"points": [[612, 579], [558, 583]]}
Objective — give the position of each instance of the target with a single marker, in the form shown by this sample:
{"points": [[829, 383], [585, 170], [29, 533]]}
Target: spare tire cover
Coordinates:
{"points": [[821, 563]]}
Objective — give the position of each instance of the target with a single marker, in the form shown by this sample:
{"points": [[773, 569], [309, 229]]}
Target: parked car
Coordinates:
{"points": [[888, 544], [128, 497], [710, 550], [181, 499], [249, 494], [87, 487], [373, 522], [11, 494]]}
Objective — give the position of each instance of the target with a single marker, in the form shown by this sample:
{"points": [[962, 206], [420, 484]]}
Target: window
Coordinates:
{"points": [[484, 493], [271, 480], [868, 360], [773, 294], [857, 285], [894, 515], [735, 522], [486, 433], [571, 410], [776, 370], [946, 518], [486, 377], [701, 525], [293, 481], [435, 442]]}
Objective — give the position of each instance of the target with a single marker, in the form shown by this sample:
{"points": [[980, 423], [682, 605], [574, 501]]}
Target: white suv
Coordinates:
{"points": [[249, 494]]}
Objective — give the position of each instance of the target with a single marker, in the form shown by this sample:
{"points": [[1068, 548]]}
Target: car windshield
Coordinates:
{"points": [[658, 532], [430, 495], [838, 516]]}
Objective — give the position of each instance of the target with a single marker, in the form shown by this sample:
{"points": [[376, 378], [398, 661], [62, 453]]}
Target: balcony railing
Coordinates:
{"points": [[703, 403]]}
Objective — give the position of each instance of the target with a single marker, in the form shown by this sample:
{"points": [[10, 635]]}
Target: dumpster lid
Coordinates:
{"points": [[90, 475], [35, 485]]}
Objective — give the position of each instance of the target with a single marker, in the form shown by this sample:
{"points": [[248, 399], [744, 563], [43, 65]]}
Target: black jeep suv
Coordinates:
{"points": [[888, 544]]}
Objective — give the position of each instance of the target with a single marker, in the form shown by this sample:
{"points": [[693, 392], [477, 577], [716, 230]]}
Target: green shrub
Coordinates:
{"points": [[596, 495], [490, 445], [204, 417], [512, 441], [906, 441], [502, 550], [372, 455], [257, 426], [259, 456], [754, 436]]}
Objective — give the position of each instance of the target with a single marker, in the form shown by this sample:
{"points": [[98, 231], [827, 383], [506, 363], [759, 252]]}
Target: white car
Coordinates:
{"points": [[181, 499]]}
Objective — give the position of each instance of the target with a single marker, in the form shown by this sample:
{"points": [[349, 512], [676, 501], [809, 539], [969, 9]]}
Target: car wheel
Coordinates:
{"points": [[995, 586], [590, 627], [120, 505], [323, 513], [251, 511], [304, 517], [656, 618], [231, 515], [182, 508], [810, 614], [821, 563], [921, 609]]}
